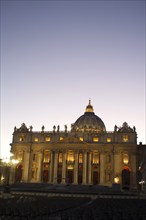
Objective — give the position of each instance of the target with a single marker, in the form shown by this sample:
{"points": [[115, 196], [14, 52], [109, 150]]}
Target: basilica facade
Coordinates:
{"points": [[85, 154]]}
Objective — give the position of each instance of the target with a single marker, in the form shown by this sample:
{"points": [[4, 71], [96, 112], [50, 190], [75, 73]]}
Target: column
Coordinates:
{"points": [[12, 174], [76, 168], [85, 168], [89, 168], [39, 166], [133, 183], [117, 163], [55, 167], [26, 167], [102, 168], [63, 168], [51, 167]]}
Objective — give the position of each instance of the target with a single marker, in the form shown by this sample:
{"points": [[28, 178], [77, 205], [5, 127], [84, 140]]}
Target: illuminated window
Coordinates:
{"points": [[125, 158], [48, 139], [80, 158], [60, 158], [46, 156], [70, 156], [36, 139], [21, 138], [95, 139], [125, 138], [81, 138], [108, 139], [95, 158], [61, 138]]}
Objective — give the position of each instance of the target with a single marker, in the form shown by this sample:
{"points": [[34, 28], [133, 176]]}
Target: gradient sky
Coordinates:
{"points": [[55, 55]]}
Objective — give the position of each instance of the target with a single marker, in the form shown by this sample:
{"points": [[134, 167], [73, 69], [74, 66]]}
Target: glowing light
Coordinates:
{"points": [[116, 179], [81, 138], [48, 139], [125, 158], [95, 139], [108, 139]]}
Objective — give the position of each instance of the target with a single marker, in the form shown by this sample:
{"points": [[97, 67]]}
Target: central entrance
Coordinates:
{"points": [[95, 177], [70, 176]]}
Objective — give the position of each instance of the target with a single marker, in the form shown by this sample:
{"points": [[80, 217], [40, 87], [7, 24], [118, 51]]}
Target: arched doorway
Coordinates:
{"points": [[126, 178], [18, 173], [70, 176], [80, 177], [45, 176], [95, 177]]}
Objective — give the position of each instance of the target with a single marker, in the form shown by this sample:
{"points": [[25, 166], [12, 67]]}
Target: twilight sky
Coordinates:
{"points": [[55, 55]]}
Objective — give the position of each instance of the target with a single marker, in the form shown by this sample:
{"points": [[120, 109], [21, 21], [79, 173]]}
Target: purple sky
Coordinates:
{"points": [[55, 55]]}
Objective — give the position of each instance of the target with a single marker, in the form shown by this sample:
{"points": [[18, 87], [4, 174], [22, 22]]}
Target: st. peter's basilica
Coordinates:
{"points": [[86, 154]]}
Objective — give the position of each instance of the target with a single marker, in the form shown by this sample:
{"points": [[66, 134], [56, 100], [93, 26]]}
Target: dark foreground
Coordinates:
{"points": [[71, 205]]}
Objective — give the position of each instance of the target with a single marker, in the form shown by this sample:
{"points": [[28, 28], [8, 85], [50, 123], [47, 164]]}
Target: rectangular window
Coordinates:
{"points": [[95, 158], [70, 157], [46, 156], [36, 139], [80, 158], [21, 138], [48, 139], [125, 158], [95, 139], [60, 158], [125, 138], [108, 140]]}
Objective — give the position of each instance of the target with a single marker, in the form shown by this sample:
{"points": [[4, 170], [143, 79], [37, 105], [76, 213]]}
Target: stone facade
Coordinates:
{"points": [[86, 154]]}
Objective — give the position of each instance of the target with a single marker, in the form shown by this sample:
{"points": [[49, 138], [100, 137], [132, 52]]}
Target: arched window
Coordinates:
{"points": [[46, 156], [125, 158]]}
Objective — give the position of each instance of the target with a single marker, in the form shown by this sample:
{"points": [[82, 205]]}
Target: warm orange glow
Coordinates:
{"points": [[116, 179], [36, 139], [60, 158], [95, 139], [70, 157], [48, 139], [61, 138], [108, 139], [46, 156], [80, 158], [126, 168], [81, 138], [125, 158], [70, 167], [95, 158], [21, 138]]}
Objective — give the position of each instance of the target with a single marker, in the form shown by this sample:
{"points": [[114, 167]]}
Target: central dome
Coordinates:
{"points": [[89, 121]]}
